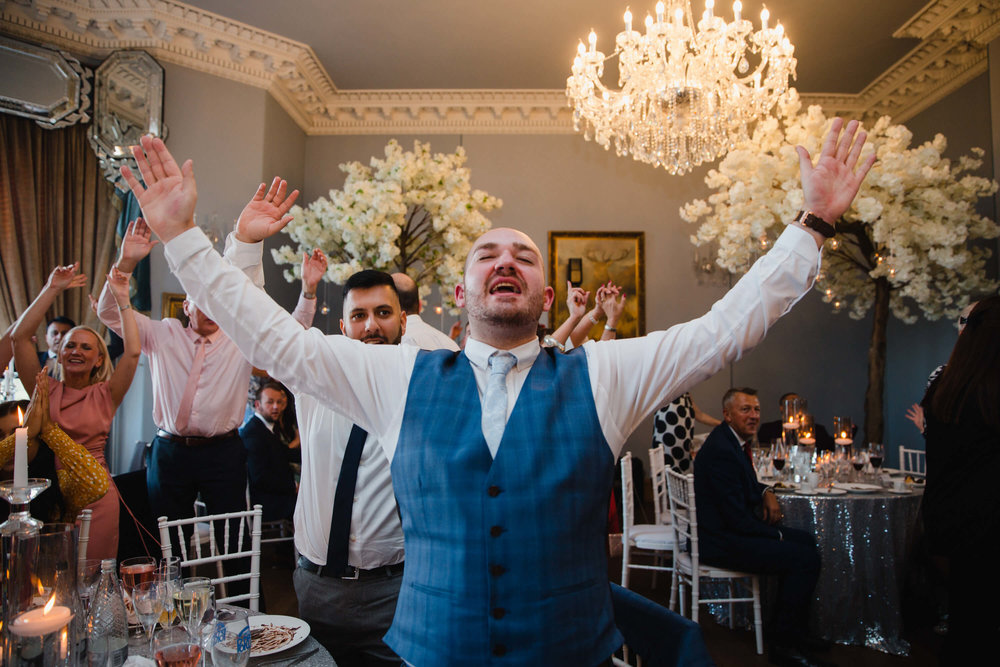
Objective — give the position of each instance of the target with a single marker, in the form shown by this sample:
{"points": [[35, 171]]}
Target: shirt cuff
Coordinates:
{"points": [[183, 246], [240, 254], [306, 306]]}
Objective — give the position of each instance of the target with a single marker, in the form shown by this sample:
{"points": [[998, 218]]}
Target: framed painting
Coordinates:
{"points": [[172, 305], [589, 260]]}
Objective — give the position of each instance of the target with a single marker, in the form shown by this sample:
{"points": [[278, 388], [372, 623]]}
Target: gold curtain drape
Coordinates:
{"points": [[56, 208]]}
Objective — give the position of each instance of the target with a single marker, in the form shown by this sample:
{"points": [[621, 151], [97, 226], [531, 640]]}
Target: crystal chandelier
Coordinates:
{"points": [[688, 92]]}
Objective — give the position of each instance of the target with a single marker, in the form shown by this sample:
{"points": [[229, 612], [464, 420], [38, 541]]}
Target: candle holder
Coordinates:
{"points": [[807, 431], [843, 431], [43, 623], [19, 499]]}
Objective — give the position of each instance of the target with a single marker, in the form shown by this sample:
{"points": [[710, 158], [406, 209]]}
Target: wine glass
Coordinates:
{"points": [[230, 641], [168, 573], [175, 647], [148, 599], [876, 455], [858, 463], [193, 597], [88, 575], [779, 453], [134, 571]]}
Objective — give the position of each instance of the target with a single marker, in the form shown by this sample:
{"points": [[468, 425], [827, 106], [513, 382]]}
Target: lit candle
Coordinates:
{"points": [[737, 8], [42, 620], [20, 453], [807, 441], [764, 16], [628, 21], [679, 17], [659, 12], [593, 41], [709, 5], [842, 439]]}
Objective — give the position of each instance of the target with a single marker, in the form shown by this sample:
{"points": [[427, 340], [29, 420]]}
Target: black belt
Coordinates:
{"points": [[195, 440], [351, 572]]}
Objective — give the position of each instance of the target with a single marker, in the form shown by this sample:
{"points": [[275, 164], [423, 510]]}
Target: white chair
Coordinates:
{"points": [[81, 547], [688, 570], [245, 544], [658, 473], [654, 540], [912, 461]]}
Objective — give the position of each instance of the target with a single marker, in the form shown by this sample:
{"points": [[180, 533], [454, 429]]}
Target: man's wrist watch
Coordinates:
{"points": [[811, 221]]}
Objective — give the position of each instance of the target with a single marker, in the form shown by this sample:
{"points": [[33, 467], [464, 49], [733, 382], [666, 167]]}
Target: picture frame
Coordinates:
{"points": [[593, 258], [172, 305]]}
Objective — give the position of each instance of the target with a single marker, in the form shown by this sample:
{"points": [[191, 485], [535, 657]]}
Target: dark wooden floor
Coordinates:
{"points": [[727, 647]]}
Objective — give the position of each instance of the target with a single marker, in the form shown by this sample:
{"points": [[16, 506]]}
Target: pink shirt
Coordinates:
{"points": [[220, 398]]}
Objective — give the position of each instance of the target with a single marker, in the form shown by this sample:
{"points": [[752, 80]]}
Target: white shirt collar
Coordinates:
{"points": [[267, 422], [479, 353]]}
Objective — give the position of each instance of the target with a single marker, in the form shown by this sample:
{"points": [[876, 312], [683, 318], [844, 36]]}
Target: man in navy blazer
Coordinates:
{"points": [[269, 475], [739, 526]]}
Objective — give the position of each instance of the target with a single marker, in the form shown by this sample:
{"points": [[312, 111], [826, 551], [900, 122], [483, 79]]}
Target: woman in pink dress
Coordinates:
{"points": [[83, 399]]}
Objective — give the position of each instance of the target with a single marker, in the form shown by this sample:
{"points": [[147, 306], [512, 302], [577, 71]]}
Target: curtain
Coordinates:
{"points": [[55, 208]]}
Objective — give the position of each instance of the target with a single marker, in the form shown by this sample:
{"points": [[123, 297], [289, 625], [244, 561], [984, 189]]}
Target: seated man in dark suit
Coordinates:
{"points": [[272, 483], [739, 526], [772, 430]]}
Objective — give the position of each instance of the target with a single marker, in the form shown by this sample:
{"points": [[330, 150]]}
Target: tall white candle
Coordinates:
{"points": [[8, 381], [20, 454]]}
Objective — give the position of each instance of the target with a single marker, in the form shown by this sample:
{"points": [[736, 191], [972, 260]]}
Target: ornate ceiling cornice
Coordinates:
{"points": [[954, 37]]}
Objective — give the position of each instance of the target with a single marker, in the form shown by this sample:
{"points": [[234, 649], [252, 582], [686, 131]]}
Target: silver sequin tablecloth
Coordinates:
{"points": [[864, 541]]}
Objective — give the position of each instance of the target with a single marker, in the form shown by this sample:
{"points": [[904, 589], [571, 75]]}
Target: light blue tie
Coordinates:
{"points": [[495, 398]]}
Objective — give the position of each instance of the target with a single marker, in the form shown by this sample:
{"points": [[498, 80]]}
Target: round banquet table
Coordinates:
{"points": [[865, 541]]}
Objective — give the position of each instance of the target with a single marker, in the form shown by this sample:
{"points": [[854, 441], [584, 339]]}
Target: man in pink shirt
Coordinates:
{"points": [[199, 378]]}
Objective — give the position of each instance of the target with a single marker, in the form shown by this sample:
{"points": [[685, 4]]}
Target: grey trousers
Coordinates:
{"points": [[349, 618]]}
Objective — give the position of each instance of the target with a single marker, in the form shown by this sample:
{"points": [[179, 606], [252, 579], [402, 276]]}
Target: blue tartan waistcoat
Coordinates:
{"points": [[505, 557]]}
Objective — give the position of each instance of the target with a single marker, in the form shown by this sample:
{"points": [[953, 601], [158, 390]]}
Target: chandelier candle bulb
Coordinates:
{"points": [[764, 16], [737, 8], [628, 21], [709, 5]]}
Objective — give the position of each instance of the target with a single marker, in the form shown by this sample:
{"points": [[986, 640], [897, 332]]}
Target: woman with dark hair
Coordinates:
{"points": [[80, 479], [961, 506], [88, 390]]}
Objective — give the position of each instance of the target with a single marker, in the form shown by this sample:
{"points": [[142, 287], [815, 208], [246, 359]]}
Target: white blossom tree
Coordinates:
{"points": [[906, 245], [412, 212]]}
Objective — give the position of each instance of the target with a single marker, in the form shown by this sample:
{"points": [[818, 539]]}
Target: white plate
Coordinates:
{"points": [[823, 492], [855, 487], [300, 626], [785, 486]]}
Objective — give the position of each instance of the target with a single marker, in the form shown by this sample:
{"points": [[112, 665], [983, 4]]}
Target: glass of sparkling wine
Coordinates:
{"points": [[174, 647], [193, 596]]}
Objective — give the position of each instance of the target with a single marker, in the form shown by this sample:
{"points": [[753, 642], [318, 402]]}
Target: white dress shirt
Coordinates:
{"points": [[220, 398], [426, 337], [376, 537], [368, 384]]}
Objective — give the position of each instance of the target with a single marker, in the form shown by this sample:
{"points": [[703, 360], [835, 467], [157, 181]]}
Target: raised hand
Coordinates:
{"points": [[169, 195], [118, 284], [613, 305], [266, 213], [37, 417], [830, 185], [138, 242], [576, 300], [65, 277], [313, 269]]}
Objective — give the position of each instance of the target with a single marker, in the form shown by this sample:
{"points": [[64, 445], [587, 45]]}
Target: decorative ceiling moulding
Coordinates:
{"points": [[954, 35]]}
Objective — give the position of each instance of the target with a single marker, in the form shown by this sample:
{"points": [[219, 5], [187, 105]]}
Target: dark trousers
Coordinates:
{"points": [[973, 619], [794, 560], [350, 617], [177, 473]]}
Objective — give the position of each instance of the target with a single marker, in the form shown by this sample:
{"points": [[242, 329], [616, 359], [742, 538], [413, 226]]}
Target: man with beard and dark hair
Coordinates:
{"points": [[351, 562], [502, 455]]}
